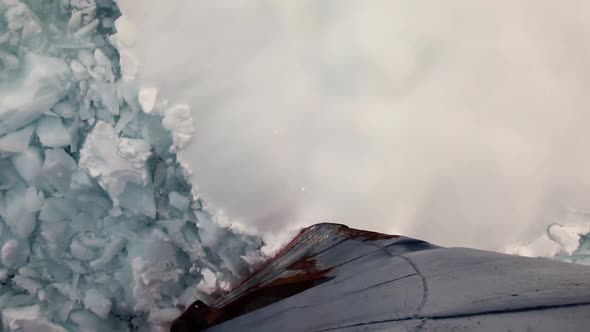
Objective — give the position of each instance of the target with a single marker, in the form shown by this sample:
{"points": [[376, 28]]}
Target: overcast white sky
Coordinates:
{"points": [[460, 122]]}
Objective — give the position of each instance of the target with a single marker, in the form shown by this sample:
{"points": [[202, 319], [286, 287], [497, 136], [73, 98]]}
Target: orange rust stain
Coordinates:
{"points": [[280, 254], [308, 275], [306, 263]]}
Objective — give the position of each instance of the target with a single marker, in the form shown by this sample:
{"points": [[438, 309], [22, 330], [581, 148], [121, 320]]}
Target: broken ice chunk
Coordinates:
{"points": [[14, 253], [36, 325], [56, 209], [64, 109], [56, 232], [185, 237], [129, 64], [128, 91], [207, 284], [80, 252], [101, 158], [178, 201], [178, 120], [67, 290], [28, 272], [58, 168], [147, 98], [113, 248], [17, 141], [152, 131], [136, 151], [19, 300], [107, 95], [154, 264], [43, 83], [10, 61], [64, 311], [86, 57], [79, 71], [28, 163], [87, 29], [209, 231], [101, 60], [163, 316], [127, 116], [139, 200], [20, 211], [97, 303], [11, 315], [88, 321], [9, 177], [3, 274], [26, 283], [52, 133], [75, 20]]}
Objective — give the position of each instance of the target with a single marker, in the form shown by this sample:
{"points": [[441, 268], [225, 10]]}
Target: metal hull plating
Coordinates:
{"points": [[334, 278]]}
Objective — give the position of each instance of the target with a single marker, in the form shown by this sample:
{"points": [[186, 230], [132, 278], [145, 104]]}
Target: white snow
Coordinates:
{"points": [[126, 33], [208, 284], [462, 123], [124, 39], [147, 98], [558, 240], [178, 120]]}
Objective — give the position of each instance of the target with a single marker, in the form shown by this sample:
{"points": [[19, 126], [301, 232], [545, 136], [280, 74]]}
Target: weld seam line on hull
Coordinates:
{"points": [[360, 290], [356, 258], [261, 319], [491, 312], [424, 291], [424, 283], [405, 240], [411, 241], [383, 283]]}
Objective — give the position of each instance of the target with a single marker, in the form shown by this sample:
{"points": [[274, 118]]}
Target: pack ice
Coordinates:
{"points": [[99, 230]]}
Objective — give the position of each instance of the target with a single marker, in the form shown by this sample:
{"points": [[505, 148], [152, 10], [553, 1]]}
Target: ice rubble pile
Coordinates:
{"points": [[98, 227], [567, 241]]}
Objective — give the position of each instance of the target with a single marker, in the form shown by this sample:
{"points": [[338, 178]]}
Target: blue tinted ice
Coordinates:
{"points": [[99, 230]]}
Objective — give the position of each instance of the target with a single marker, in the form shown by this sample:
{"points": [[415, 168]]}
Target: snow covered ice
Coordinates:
{"points": [[568, 240], [99, 229]]}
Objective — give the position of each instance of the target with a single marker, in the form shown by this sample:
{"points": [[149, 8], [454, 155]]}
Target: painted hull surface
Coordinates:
{"points": [[334, 278]]}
